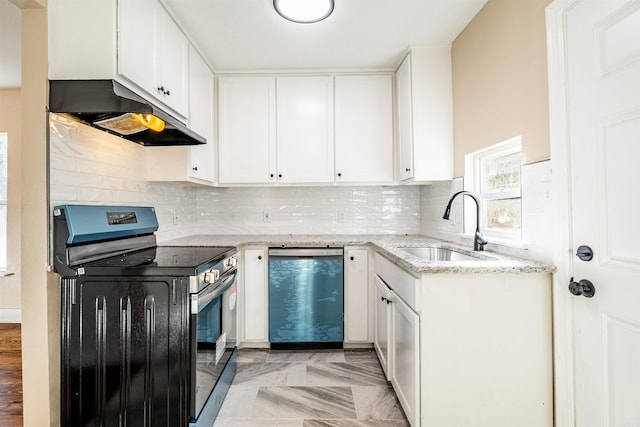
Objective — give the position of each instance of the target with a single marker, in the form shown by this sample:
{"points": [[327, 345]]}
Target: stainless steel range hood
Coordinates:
{"points": [[104, 104]]}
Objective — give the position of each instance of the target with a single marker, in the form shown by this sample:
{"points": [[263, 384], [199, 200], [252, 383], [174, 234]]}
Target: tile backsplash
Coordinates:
{"points": [[88, 166], [309, 210]]}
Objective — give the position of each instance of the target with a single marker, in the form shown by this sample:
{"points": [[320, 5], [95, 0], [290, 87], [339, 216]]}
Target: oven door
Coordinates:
{"points": [[213, 347]]}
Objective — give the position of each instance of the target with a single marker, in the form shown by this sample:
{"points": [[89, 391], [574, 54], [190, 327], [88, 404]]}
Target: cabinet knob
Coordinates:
{"points": [[407, 170], [383, 299], [167, 92], [279, 175], [339, 175], [195, 168], [161, 89], [259, 256], [271, 175], [351, 258]]}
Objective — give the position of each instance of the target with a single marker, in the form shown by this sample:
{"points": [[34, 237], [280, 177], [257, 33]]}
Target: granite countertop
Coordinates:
{"points": [[388, 246]]}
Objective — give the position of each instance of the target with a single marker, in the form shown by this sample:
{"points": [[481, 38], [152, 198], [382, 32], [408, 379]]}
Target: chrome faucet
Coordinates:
{"points": [[478, 241]]}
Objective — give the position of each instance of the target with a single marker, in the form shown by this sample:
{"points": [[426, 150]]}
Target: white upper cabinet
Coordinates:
{"points": [[425, 115], [364, 129], [153, 53], [201, 118], [275, 130], [305, 129], [195, 163], [247, 130], [132, 41]]}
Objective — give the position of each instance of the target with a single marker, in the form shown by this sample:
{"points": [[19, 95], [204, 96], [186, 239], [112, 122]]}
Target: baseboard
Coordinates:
{"points": [[10, 315]]}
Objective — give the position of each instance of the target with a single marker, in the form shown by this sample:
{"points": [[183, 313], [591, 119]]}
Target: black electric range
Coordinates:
{"points": [[139, 319]]}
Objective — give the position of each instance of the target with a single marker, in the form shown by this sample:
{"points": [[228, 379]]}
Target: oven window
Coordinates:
{"points": [[209, 325]]}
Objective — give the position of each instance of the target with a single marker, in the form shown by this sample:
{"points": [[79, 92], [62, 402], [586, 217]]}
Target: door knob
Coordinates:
{"points": [[583, 287]]}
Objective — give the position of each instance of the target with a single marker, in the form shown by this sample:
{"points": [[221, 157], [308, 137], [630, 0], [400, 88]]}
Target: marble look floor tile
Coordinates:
{"points": [[355, 423], [344, 374], [361, 356], [304, 402], [253, 355], [377, 403], [252, 422], [270, 374], [306, 356], [239, 401]]}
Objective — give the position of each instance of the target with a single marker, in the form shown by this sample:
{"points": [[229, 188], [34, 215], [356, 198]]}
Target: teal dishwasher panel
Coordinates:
{"points": [[306, 299]]}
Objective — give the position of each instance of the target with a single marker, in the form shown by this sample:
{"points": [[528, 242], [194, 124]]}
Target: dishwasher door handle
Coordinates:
{"points": [[306, 252]]}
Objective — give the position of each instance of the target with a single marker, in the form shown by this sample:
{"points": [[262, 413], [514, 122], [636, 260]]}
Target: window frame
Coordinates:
{"points": [[474, 181]]}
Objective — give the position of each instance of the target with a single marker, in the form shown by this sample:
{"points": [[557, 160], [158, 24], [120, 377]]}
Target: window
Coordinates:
{"points": [[493, 174], [3, 201]]}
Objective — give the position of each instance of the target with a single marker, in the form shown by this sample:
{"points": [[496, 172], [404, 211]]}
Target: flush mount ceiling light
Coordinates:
{"points": [[304, 11]]}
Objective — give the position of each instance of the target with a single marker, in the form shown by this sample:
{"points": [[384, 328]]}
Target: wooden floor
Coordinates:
{"points": [[10, 375]]}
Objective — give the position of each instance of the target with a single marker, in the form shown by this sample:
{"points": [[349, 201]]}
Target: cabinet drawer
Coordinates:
{"points": [[403, 283]]}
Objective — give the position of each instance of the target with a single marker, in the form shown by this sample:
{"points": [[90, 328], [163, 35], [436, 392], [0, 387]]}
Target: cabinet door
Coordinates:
{"points": [[406, 358], [247, 131], [405, 120], [256, 326], [136, 42], [305, 129], [124, 351], [201, 116], [382, 326], [364, 129], [356, 313], [172, 63]]}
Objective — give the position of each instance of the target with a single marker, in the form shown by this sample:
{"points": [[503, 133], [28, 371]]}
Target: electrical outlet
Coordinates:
{"points": [[174, 214], [265, 216]]}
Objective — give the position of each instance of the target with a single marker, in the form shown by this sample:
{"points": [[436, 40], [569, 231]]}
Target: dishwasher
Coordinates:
{"points": [[306, 298]]}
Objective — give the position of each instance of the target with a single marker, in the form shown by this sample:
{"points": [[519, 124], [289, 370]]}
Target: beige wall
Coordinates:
{"points": [[10, 122], [500, 80], [40, 290]]}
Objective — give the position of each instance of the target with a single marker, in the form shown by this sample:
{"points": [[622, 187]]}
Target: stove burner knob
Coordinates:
{"points": [[211, 276]]}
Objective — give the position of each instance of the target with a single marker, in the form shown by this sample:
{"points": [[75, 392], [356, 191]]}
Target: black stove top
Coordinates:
{"points": [[161, 260]]}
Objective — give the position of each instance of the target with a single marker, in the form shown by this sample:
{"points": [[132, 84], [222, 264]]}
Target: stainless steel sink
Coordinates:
{"points": [[438, 254]]}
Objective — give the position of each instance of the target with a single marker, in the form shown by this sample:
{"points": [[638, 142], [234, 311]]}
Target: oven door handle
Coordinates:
{"points": [[211, 292]]}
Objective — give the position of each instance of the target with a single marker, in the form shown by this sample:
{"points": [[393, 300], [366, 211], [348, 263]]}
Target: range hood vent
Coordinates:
{"points": [[106, 105]]}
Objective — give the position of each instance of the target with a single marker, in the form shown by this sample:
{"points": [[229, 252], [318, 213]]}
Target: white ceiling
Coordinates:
{"points": [[248, 35], [9, 45]]}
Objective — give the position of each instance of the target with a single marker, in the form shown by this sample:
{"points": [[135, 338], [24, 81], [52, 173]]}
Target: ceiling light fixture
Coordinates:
{"points": [[304, 11]]}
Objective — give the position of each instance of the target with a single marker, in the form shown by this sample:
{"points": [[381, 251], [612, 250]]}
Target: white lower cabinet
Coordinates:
{"points": [[356, 295], [466, 349], [405, 350], [382, 325], [397, 343], [255, 305]]}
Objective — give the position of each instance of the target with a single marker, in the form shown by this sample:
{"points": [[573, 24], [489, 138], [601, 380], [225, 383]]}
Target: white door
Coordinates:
{"points": [[364, 129], [381, 330], [603, 60], [356, 295], [246, 130], [406, 358], [201, 115], [256, 324], [305, 129], [405, 121]]}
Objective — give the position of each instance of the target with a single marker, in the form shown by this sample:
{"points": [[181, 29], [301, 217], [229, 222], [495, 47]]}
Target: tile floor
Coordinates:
{"points": [[324, 388]]}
